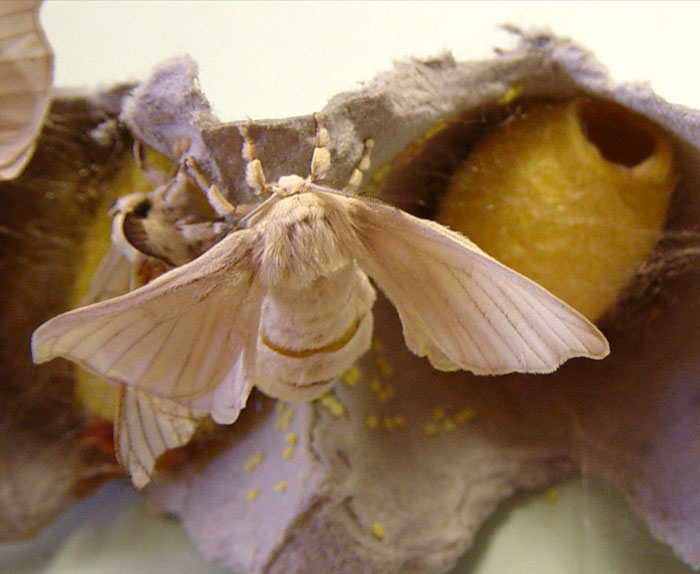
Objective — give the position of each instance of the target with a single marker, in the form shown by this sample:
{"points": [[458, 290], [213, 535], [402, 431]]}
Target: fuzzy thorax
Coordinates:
{"points": [[305, 239]]}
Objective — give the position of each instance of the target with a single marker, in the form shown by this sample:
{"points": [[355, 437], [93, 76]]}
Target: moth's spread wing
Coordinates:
{"points": [[111, 278], [460, 307], [178, 337], [145, 427], [26, 72]]}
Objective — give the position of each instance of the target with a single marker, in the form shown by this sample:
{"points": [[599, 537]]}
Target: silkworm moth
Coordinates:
{"points": [[152, 233], [284, 301], [26, 69]]}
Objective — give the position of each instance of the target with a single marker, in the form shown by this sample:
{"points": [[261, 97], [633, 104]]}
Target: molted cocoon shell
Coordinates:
{"points": [[105, 273], [571, 195]]}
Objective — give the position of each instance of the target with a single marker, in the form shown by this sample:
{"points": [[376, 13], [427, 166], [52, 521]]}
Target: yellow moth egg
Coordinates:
{"points": [[375, 385], [377, 345], [372, 421], [350, 377], [383, 367], [388, 423], [378, 531], [253, 462], [464, 415], [385, 393], [572, 195], [448, 425], [332, 405], [285, 413], [391, 422]]}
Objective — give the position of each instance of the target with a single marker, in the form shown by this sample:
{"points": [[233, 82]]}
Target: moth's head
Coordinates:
{"points": [[290, 184], [132, 202]]}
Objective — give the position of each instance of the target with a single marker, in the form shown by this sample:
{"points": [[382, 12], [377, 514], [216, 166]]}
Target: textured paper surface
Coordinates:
{"points": [[411, 497]]}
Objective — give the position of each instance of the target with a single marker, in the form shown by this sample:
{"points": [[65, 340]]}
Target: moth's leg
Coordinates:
{"points": [[181, 147], [254, 174], [153, 175], [222, 206], [355, 180], [321, 158], [174, 192]]}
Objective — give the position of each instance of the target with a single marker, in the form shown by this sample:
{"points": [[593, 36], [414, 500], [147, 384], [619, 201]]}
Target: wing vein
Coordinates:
{"points": [[101, 327], [178, 378], [138, 340], [146, 436], [508, 318]]}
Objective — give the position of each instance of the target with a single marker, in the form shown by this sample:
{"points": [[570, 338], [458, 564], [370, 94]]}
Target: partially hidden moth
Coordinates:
{"points": [[284, 301]]}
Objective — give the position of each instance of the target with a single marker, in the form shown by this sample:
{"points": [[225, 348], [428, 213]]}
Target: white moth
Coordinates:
{"points": [[26, 73], [284, 302]]}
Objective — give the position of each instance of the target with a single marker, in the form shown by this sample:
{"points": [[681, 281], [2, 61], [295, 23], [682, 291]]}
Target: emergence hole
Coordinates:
{"points": [[616, 132]]}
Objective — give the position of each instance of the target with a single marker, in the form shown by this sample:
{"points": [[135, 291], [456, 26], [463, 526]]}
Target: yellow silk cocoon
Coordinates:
{"points": [[571, 195], [93, 393]]}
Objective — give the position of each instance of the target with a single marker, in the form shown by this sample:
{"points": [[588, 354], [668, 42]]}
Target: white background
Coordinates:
{"points": [[276, 59]]}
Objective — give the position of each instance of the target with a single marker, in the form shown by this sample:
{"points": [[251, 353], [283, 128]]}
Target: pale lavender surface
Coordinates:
{"points": [[631, 419]]}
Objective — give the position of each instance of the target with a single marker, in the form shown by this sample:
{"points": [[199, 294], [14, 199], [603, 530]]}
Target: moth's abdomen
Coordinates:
{"points": [[309, 335]]}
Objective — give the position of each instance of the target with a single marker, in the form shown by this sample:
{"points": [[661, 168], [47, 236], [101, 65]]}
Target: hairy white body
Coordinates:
{"points": [[315, 318]]}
